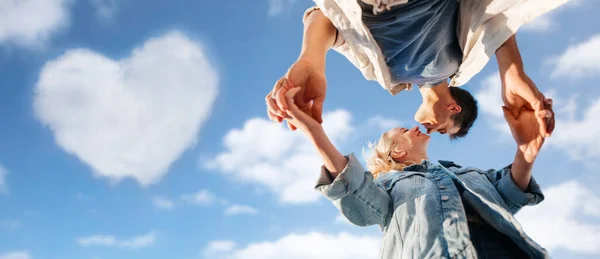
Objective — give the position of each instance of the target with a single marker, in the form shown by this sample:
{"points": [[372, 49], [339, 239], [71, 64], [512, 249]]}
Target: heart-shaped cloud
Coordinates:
{"points": [[132, 117]]}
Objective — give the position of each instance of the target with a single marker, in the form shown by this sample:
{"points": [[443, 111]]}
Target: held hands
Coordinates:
{"points": [[296, 117], [312, 85], [525, 130], [521, 93]]}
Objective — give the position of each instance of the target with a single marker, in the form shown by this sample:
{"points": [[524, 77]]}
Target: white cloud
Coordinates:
{"points": [[383, 123], [32, 22], [105, 9], [569, 136], [312, 245], [202, 197], [268, 154], [277, 6], [110, 241], [133, 117], [139, 241], [562, 210], [579, 60], [214, 248], [541, 24], [162, 203], [16, 255], [3, 173], [490, 102], [97, 240], [240, 209]]}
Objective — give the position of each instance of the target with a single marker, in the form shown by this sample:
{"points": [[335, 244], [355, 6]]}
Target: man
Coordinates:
{"points": [[399, 43]]}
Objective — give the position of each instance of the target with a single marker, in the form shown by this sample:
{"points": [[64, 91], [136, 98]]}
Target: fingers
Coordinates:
{"points": [[289, 97], [282, 103], [551, 121], [272, 109], [317, 109], [542, 118], [291, 126], [274, 112]]}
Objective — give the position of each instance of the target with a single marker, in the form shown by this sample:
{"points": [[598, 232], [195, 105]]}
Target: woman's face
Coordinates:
{"points": [[412, 141]]}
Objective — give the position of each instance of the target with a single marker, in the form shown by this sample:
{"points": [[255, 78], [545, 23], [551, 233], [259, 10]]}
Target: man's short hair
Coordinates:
{"points": [[468, 114]]}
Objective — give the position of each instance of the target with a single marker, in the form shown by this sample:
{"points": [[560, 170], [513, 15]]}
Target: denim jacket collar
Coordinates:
{"points": [[426, 164]]}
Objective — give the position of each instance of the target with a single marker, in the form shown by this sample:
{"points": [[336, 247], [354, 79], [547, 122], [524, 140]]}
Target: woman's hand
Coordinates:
{"points": [[525, 130], [297, 117]]}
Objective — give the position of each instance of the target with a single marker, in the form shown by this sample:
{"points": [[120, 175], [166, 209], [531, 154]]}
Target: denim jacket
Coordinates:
{"points": [[420, 210]]}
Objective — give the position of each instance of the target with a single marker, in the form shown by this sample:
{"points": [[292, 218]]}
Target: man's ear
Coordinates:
{"points": [[398, 154], [454, 108]]}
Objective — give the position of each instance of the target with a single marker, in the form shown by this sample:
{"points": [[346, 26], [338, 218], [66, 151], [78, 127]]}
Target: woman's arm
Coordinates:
{"points": [[333, 160], [343, 180], [524, 128]]}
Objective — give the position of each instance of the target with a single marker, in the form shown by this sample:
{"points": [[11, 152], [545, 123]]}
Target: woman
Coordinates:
{"points": [[426, 209]]}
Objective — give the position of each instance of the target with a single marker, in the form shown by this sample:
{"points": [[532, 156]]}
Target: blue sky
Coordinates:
{"points": [[135, 129]]}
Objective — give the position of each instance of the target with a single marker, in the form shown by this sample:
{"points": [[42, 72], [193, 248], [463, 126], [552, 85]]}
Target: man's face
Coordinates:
{"points": [[436, 117]]}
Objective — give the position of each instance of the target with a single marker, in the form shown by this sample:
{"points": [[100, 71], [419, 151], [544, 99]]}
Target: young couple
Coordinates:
{"points": [[425, 209]]}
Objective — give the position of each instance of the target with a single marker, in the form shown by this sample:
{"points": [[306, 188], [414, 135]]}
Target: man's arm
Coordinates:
{"points": [[308, 72], [518, 90], [319, 35]]}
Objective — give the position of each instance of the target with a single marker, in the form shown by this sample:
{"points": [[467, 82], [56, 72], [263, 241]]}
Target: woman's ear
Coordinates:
{"points": [[399, 154], [454, 108]]}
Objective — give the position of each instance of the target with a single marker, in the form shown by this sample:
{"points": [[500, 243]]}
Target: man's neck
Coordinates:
{"points": [[437, 93]]}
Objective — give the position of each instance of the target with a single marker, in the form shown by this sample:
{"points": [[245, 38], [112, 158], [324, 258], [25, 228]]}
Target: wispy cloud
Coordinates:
{"points": [[10, 224], [105, 9], [3, 185], [202, 197], [163, 203], [111, 241], [240, 209], [277, 7], [579, 60], [16, 255], [314, 245]]}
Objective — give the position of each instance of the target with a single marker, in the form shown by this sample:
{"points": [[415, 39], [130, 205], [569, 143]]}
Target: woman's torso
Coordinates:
{"points": [[431, 215]]}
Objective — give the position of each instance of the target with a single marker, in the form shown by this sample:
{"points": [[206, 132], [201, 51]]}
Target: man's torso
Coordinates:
{"points": [[418, 39]]}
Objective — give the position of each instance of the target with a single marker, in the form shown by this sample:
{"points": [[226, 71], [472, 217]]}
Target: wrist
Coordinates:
{"points": [[525, 155], [314, 58], [513, 73]]}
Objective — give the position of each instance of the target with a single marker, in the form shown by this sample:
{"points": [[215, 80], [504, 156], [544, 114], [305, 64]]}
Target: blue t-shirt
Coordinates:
{"points": [[418, 40]]}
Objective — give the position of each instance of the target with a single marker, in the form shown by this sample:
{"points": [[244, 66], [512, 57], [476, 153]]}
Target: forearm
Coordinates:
{"points": [[509, 59], [521, 170], [333, 160], [319, 36]]}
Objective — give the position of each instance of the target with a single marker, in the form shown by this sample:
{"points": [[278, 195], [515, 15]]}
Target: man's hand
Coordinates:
{"points": [[520, 92], [296, 117], [310, 78], [525, 130]]}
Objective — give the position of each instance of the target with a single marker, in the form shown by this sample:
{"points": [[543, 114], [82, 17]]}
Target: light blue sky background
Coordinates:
{"points": [[168, 153]]}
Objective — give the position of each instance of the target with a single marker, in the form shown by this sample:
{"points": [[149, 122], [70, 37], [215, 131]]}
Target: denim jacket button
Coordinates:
{"points": [[442, 187], [445, 198], [438, 178]]}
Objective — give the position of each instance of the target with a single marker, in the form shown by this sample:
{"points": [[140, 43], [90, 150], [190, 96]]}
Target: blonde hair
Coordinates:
{"points": [[381, 160]]}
